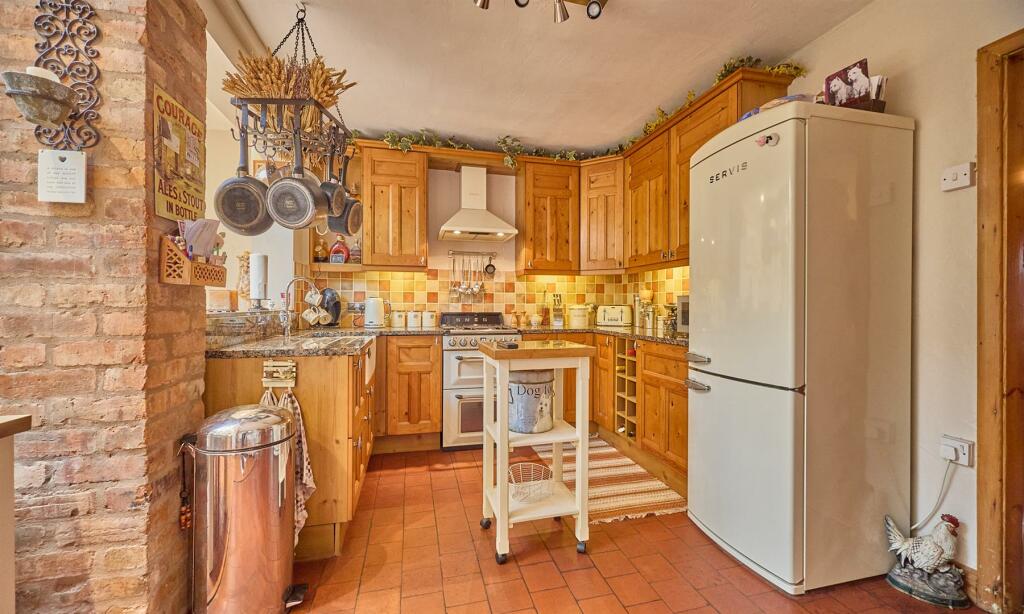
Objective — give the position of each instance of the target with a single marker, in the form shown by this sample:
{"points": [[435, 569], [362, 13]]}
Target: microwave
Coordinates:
{"points": [[683, 314]]}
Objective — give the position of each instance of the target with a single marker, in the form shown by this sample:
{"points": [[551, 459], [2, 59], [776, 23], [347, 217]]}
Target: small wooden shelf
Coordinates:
{"points": [[626, 396], [563, 432], [329, 267], [561, 502], [176, 268]]}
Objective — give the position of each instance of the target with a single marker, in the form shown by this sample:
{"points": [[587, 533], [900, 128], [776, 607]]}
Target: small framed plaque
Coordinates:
{"points": [[61, 176]]}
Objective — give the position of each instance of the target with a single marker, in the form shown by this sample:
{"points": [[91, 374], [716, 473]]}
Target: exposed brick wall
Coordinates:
{"points": [[108, 361]]}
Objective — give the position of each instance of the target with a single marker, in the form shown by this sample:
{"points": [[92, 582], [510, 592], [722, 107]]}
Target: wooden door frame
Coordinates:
{"points": [[1000, 382]]}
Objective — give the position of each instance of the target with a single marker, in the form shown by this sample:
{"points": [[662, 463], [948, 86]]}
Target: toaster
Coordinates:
{"points": [[615, 315]]}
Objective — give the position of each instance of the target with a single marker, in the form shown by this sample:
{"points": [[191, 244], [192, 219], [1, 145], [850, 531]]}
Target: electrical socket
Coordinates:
{"points": [[957, 450]]}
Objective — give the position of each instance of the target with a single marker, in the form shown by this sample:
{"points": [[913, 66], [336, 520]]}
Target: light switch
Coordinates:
{"points": [[958, 177]]}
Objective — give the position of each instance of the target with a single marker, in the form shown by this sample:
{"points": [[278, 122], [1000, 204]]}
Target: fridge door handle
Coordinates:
{"points": [[697, 358], [693, 384]]}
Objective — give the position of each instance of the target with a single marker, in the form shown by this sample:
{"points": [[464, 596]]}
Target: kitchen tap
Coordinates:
{"points": [[286, 311]]}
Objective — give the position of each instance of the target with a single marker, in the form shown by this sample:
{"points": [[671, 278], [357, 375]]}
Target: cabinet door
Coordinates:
{"points": [[646, 203], [569, 378], [547, 216], [601, 211], [604, 383], [676, 416], [686, 138], [414, 385], [395, 197], [653, 405]]}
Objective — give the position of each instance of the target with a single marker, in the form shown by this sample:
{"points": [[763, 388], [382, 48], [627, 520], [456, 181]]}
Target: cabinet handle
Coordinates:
{"points": [[359, 443], [529, 264], [693, 384], [620, 262], [671, 253], [697, 358], [423, 260], [664, 255]]}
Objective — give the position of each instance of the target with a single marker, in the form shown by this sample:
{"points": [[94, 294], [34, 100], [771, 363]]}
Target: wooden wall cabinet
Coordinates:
{"points": [[662, 400], [395, 208], [548, 218], [602, 236], [414, 384], [647, 203]]}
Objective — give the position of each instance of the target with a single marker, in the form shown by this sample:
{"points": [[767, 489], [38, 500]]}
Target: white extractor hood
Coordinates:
{"points": [[473, 222]]}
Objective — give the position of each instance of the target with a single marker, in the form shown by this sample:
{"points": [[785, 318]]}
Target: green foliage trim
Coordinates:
{"points": [[512, 147]]}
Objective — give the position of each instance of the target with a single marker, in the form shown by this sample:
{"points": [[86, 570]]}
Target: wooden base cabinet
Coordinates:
{"points": [[337, 413], [414, 384], [662, 401], [603, 383]]}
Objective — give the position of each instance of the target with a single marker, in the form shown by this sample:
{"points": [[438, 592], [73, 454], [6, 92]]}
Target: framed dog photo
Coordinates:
{"points": [[849, 87]]}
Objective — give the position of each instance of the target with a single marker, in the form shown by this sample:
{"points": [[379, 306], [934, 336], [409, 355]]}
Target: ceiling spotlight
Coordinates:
{"points": [[561, 13], [594, 8], [482, 4], [522, 3]]}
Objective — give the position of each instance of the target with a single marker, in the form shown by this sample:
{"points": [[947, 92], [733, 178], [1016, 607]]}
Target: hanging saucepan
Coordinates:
{"points": [[295, 202], [350, 221], [332, 189], [241, 202]]}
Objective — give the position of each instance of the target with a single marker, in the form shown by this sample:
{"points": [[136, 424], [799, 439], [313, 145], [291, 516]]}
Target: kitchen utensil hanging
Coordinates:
{"points": [[241, 201], [467, 273], [296, 202], [350, 221]]}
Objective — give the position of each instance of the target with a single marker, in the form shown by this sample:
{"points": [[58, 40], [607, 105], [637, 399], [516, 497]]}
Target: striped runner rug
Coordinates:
{"points": [[619, 488]]}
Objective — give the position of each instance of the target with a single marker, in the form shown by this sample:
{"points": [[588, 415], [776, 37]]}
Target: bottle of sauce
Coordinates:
{"points": [[320, 251], [339, 251]]}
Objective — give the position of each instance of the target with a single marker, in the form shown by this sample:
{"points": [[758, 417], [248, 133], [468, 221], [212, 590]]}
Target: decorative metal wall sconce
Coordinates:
{"points": [[58, 93]]}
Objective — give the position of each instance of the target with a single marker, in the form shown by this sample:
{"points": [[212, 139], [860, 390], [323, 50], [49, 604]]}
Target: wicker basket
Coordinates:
{"points": [[529, 481], [176, 268]]}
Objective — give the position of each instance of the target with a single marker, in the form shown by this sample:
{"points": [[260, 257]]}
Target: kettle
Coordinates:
{"points": [[373, 317]]}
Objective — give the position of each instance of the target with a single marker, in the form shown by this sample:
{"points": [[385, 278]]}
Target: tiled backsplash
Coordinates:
{"points": [[507, 292]]}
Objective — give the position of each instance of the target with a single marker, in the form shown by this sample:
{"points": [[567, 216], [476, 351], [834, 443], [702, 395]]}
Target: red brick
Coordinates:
{"points": [[54, 565], [99, 468], [42, 383], [102, 352], [121, 559], [54, 506], [16, 233], [21, 355], [49, 265], [52, 443], [119, 379], [107, 294], [22, 295], [123, 323]]}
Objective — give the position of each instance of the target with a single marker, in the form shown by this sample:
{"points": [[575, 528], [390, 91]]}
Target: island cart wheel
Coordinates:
{"points": [[501, 558], [485, 523], [581, 547]]}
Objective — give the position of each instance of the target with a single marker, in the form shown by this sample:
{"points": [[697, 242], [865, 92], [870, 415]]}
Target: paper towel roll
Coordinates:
{"points": [[258, 277]]}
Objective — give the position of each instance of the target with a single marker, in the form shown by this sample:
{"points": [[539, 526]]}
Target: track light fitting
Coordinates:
{"points": [[594, 8], [561, 13], [482, 4]]}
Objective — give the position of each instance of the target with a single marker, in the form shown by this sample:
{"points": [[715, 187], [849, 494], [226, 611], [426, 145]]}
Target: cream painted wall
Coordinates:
{"points": [[928, 48], [444, 194], [277, 243]]}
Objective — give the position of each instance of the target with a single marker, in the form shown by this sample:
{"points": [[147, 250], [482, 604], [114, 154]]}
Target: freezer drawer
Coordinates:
{"points": [[745, 461]]}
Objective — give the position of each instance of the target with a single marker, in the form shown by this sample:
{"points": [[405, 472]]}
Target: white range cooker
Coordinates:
{"points": [[462, 408]]}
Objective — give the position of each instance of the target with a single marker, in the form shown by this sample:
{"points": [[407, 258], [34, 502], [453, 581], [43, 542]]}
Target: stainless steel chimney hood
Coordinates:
{"points": [[473, 222]]}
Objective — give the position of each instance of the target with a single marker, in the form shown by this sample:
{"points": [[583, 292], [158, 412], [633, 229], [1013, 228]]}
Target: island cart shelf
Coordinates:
{"points": [[498, 440]]}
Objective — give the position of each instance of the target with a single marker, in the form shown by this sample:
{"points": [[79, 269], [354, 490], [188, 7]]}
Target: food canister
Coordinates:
{"points": [[397, 319], [531, 396], [414, 319], [429, 319]]}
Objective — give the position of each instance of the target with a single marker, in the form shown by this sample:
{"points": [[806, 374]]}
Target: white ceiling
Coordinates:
{"points": [[456, 69]]}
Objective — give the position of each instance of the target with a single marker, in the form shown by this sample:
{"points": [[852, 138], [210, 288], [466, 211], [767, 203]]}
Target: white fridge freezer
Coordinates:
{"points": [[800, 290]]}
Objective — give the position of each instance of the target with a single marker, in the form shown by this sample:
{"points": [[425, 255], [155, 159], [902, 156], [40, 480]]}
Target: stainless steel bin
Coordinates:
{"points": [[244, 510]]}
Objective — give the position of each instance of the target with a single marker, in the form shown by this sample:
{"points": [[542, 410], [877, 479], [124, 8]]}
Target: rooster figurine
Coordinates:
{"points": [[930, 553], [924, 567]]}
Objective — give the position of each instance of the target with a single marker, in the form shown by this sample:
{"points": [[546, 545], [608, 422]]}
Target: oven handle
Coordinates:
{"points": [[475, 397], [474, 358]]}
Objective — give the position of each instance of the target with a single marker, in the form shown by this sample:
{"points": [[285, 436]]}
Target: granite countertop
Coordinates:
{"points": [[347, 341], [302, 344], [625, 332]]}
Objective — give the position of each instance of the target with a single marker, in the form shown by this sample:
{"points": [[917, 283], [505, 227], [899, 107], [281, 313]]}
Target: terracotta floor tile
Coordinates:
{"points": [[421, 581], [387, 515], [342, 570], [678, 595], [459, 564], [654, 531], [425, 536], [674, 550], [727, 598], [354, 546], [541, 576], [699, 573], [480, 607], [654, 567], [749, 583], [457, 541], [774, 603], [651, 607], [716, 557], [508, 596], [586, 583], [382, 577], [385, 533], [560, 539], [673, 520], [452, 524], [432, 603], [379, 602], [529, 550], [554, 601], [691, 535], [382, 554], [854, 598], [828, 605], [308, 572], [632, 589], [493, 572], [460, 590], [606, 604], [420, 558], [600, 542], [568, 558], [336, 597], [633, 545]]}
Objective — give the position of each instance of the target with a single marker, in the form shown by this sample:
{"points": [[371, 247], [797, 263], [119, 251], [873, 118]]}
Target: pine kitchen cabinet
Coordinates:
{"points": [[336, 410], [662, 401], [413, 384], [395, 207], [601, 214], [548, 217], [603, 382], [647, 203]]}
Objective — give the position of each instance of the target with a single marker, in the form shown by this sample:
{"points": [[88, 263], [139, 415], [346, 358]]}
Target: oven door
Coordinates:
{"points": [[463, 369], [463, 417]]}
